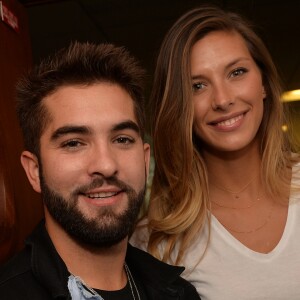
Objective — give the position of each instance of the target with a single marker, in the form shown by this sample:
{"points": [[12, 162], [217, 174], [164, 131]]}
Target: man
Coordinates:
{"points": [[82, 117]]}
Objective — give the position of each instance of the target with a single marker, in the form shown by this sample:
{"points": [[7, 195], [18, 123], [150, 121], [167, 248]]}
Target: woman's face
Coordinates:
{"points": [[228, 92]]}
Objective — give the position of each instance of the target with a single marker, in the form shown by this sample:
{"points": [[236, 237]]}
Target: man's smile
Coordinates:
{"points": [[101, 195]]}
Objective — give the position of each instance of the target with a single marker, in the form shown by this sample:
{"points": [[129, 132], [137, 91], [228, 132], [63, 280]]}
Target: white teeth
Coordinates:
{"points": [[102, 195], [230, 121]]}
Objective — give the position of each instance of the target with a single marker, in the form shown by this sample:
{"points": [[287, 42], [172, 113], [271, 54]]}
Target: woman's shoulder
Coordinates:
{"points": [[140, 236], [296, 172]]}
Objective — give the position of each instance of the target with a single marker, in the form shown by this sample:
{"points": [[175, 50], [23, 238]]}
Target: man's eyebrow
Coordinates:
{"points": [[69, 129], [127, 125]]}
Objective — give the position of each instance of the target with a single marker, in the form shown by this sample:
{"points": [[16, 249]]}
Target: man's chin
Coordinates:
{"points": [[89, 226], [108, 212], [104, 230], [100, 245]]}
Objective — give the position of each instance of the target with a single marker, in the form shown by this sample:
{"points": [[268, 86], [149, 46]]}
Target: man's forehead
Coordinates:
{"points": [[88, 106], [82, 97]]}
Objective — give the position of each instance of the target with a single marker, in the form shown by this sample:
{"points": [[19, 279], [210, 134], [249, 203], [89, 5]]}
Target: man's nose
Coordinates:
{"points": [[102, 161]]}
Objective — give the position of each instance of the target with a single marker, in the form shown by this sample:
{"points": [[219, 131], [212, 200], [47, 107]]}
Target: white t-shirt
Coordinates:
{"points": [[231, 271]]}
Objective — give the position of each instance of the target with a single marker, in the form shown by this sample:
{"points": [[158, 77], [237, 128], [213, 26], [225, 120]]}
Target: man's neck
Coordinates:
{"points": [[98, 268]]}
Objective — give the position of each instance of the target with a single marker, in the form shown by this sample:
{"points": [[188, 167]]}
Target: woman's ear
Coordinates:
{"points": [[30, 164]]}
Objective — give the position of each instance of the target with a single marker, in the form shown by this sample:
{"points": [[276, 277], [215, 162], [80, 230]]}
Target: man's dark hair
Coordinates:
{"points": [[78, 64]]}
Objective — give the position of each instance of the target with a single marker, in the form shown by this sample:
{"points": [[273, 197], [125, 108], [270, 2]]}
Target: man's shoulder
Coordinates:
{"points": [[17, 280], [158, 276], [190, 291], [15, 268], [142, 260], [13, 275]]}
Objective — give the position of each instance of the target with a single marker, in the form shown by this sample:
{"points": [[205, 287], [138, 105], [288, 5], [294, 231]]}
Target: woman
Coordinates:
{"points": [[224, 200]]}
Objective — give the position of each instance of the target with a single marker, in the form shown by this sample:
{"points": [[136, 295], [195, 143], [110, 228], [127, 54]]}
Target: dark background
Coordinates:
{"points": [[140, 26], [137, 24]]}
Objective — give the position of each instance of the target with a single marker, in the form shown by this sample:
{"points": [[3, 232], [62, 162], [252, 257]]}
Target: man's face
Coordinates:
{"points": [[93, 163]]}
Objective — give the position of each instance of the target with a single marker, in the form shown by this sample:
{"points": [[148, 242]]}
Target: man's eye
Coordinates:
{"points": [[71, 144], [124, 140], [198, 86], [238, 72]]}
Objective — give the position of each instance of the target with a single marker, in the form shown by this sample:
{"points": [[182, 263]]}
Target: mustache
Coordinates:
{"points": [[98, 182]]}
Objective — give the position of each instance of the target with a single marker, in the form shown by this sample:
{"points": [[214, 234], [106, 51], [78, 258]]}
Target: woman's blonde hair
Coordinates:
{"points": [[179, 200]]}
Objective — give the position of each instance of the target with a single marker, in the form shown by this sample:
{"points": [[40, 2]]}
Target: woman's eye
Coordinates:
{"points": [[198, 86], [238, 72]]}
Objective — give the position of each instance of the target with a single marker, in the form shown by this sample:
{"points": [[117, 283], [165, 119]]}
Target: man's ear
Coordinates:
{"points": [[31, 166], [147, 153]]}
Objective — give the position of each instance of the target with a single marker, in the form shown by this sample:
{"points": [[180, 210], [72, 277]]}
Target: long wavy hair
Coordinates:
{"points": [[179, 201]]}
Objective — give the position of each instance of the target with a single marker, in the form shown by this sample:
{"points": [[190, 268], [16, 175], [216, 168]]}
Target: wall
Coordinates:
{"points": [[20, 207]]}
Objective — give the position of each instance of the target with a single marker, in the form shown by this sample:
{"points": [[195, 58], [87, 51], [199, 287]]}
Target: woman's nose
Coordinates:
{"points": [[222, 97]]}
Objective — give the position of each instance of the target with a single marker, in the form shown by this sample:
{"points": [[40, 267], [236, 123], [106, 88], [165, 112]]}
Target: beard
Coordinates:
{"points": [[101, 231]]}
